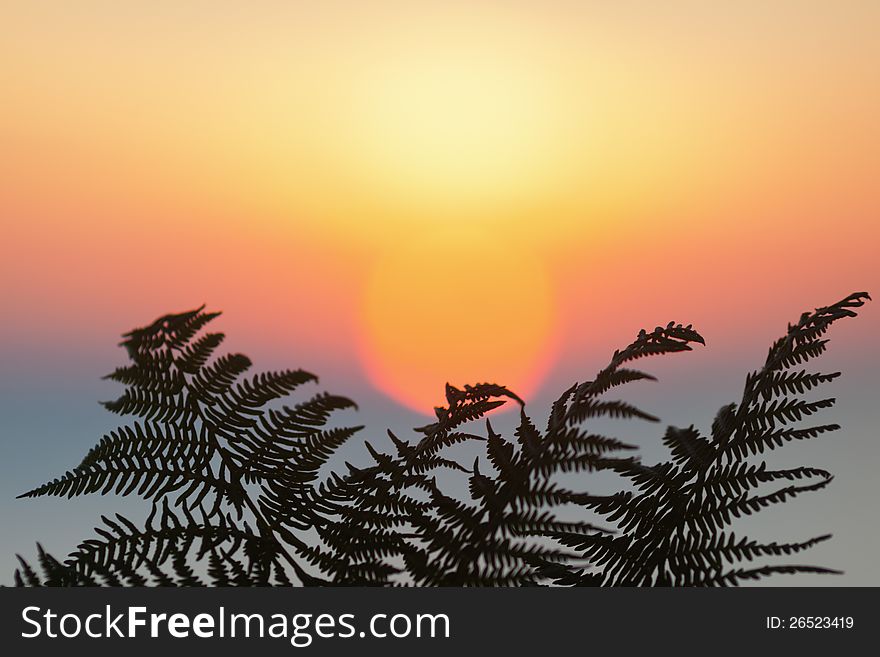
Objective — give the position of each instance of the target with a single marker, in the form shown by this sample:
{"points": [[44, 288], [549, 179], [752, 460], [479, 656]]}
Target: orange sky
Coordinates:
{"points": [[425, 191]]}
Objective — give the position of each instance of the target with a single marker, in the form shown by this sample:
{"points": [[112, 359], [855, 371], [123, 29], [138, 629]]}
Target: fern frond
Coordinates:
{"points": [[589, 408], [689, 449], [152, 405], [240, 495], [734, 577], [694, 551], [148, 460], [195, 355], [216, 379]]}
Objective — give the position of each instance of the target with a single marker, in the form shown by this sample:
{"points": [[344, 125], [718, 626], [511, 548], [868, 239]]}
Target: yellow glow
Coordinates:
{"points": [[466, 131], [476, 311]]}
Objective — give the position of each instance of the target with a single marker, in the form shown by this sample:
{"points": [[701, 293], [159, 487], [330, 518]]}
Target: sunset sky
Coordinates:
{"points": [[399, 194]]}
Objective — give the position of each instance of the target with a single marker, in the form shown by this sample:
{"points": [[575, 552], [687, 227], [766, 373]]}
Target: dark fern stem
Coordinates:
{"points": [[235, 486]]}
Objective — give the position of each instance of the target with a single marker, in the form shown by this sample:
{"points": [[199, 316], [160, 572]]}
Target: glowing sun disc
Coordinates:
{"points": [[435, 311]]}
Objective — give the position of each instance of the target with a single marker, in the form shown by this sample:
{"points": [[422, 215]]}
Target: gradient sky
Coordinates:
{"points": [[397, 194]]}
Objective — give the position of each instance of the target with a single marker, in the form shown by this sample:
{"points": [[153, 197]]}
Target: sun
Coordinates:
{"points": [[453, 130], [442, 310], [443, 135]]}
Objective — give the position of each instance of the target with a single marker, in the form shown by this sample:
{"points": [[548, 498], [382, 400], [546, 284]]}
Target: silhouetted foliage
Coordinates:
{"points": [[493, 538], [672, 527], [211, 452], [237, 496]]}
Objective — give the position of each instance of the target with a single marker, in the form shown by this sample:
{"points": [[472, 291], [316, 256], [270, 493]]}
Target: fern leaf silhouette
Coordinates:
{"points": [[209, 445], [672, 527], [232, 472]]}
